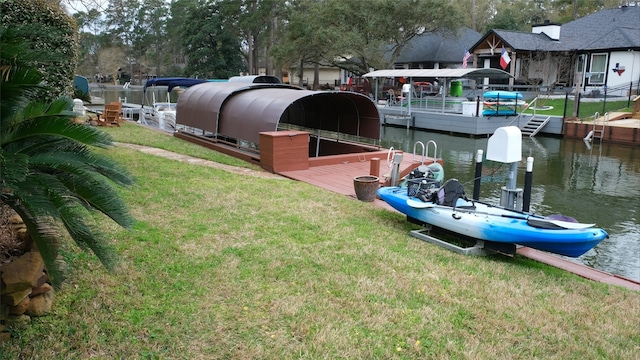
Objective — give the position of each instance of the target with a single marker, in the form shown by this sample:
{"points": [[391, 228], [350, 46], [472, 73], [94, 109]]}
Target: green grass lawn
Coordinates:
{"points": [[226, 266], [586, 109]]}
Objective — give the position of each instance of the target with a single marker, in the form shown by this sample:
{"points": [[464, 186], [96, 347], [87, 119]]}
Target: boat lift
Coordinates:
{"points": [[480, 248], [504, 146]]}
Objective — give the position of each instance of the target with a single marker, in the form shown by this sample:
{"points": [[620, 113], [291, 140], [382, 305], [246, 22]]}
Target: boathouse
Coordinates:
{"points": [[279, 126]]}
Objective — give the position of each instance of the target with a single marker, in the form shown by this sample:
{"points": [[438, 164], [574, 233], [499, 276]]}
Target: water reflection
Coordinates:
{"points": [[600, 184]]}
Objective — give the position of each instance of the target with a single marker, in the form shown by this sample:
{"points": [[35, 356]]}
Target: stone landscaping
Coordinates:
{"points": [[25, 290]]}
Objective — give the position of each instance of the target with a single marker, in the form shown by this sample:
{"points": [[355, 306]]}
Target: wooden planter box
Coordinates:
{"points": [[284, 150]]}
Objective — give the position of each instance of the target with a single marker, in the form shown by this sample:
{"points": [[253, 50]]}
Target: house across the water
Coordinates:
{"points": [[596, 53]]}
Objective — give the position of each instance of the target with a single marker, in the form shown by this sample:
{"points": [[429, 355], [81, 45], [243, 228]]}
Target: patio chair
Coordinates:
{"points": [[118, 106], [112, 114], [391, 97]]}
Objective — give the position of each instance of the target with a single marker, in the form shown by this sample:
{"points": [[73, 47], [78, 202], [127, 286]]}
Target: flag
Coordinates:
{"points": [[504, 59], [466, 57]]}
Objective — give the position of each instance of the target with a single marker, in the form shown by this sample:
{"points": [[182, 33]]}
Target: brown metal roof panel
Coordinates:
{"points": [[243, 110], [200, 104], [243, 121], [245, 114], [355, 114]]}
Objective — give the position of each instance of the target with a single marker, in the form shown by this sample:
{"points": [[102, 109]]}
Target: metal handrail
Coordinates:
{"points": [[435, 149], [532, 105], [423, 151]]}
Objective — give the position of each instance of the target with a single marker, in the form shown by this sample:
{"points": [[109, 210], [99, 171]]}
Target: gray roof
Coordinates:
{"points": [[608, 29], [443, 47]]}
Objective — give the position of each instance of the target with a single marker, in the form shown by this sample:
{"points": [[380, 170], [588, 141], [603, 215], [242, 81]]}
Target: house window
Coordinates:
{"points": [[598, 69]]}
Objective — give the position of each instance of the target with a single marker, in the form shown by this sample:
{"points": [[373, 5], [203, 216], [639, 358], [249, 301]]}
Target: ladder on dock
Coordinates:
{"points": [[597, 132], [534, 125]]}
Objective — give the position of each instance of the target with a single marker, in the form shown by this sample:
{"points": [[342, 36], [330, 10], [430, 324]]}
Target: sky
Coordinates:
{"points": [[74, 6]]}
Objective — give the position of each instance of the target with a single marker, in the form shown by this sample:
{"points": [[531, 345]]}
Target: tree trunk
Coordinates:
{"points": [[473, 15], [301, 72], [250, 55], [316, 77]]}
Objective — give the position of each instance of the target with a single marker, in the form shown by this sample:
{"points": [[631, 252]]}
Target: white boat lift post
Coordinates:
{"points": [[406, 94], [528, 183], [505, 146]]}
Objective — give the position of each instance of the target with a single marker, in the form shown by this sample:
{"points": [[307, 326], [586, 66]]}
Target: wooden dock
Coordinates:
{"points": [[617, 127], [339, 177]]}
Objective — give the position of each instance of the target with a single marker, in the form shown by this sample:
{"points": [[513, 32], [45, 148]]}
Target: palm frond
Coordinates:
{"points": [[36, 122], [45, 234], [101, 164], [17, 86], [87, 184], [87, 236], [52, 206], [77, 222]]}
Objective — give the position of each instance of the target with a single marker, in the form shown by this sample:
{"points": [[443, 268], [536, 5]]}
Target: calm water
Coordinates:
{"points": [[599, 185]]}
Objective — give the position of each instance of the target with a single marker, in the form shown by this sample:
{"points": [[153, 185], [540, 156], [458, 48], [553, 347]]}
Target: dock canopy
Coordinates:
{"points": [[241, 110], [172, 82], [256, 79], [469, 73]]}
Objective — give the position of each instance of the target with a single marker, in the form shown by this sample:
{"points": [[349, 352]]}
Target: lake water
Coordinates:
{"points": [[598, 185]]}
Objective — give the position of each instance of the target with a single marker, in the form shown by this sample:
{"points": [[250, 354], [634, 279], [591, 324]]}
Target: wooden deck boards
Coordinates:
{"points": [[339, 177]]}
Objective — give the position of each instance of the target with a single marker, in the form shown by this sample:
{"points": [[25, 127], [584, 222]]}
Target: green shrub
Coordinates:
{"points": [[47, 30]]}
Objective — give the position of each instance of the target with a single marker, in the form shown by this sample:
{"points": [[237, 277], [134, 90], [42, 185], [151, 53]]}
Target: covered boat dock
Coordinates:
{"points": [[447, 113], [280, 127]]}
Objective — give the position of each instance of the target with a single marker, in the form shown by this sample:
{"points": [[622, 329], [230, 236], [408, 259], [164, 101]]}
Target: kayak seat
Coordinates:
{"points": [[450, 192]]}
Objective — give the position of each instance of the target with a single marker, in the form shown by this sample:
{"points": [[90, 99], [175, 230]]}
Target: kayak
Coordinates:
{"points": [[448, 209], [503, 95]]}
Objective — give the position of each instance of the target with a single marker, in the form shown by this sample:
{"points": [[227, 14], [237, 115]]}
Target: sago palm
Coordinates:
{"points": [[51, 175]]}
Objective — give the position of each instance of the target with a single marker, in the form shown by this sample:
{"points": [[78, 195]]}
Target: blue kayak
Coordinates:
{"points": [[500, 112], [486, 222], [503, 95]]}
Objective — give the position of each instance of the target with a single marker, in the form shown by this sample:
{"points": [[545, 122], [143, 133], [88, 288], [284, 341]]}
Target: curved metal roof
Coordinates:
{"points": [[441, 73], [258, 79], [243, 110]]}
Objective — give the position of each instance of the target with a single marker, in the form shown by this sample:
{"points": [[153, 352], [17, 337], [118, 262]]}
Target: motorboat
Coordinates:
{"points": [[163, 114]]}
